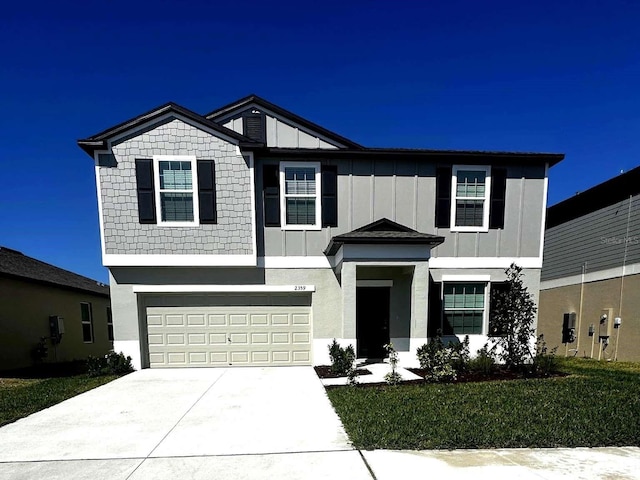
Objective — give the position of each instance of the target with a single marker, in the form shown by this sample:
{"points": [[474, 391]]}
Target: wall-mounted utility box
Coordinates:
{"points": [[569, 328], [56, 327]]}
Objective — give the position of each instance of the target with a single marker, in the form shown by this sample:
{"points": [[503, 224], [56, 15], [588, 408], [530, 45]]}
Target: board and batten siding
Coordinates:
{"points": [[282, 134], [404, 191], [603, 239]]}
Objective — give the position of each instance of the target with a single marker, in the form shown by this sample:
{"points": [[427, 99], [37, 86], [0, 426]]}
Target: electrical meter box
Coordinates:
{"points": [[56, 327]]}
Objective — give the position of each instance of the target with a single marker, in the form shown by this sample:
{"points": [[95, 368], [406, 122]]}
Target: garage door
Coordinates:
{"points": [[223, 336]]}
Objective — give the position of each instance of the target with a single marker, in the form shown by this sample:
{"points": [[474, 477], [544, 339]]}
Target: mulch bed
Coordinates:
{"points": [[499, 374], [324, 371]]}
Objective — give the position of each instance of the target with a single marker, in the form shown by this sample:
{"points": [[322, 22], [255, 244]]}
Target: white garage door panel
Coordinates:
{"points": [[223, 336]]}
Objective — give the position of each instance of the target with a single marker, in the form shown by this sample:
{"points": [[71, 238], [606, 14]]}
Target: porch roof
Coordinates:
{"points": [[383, 231]]}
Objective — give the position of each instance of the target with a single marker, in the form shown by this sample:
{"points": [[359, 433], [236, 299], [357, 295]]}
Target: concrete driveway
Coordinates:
{"points": [[186, 423]]}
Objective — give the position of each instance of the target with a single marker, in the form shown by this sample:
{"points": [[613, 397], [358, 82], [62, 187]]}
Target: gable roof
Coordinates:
{"points": [[383, 231], [99, 140], [602, 195], [16, 264], [253, 99]]}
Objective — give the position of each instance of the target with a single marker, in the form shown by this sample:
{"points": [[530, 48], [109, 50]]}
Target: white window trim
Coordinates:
{"points": [[470, 279], [487, 198], [90, 322], [318, 196], [194, 179]]}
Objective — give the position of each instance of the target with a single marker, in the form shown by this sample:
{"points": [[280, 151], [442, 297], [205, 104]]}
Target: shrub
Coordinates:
{"points": [[435, 358], [111, 364], [512, 315], [483, 362], [443, 363], [393, 377], [544, 362], [342, 359]]}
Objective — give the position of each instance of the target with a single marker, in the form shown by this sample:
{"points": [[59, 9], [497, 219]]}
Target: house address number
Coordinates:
{"points": [[299, 288]]}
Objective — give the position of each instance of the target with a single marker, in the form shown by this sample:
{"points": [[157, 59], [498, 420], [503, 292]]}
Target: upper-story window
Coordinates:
{"points": [[176, 190], [176, 202], [300, 195], [470, 198]]}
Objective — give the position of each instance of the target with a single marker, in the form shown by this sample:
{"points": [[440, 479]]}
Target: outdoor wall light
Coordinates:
{"points": [[592, 329], [617, 322]]}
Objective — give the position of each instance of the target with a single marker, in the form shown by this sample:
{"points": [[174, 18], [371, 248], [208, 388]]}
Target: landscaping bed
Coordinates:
{"points": [[324, 371], [593, 404]]}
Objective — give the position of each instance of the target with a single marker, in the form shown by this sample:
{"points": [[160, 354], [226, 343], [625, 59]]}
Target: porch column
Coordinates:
{"points": [[419, 302], [348, 281]]}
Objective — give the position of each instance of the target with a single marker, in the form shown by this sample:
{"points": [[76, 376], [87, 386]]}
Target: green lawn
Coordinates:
{"points": [[20, 397], [598, 404]]}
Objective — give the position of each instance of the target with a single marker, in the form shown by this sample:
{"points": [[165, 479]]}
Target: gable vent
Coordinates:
{"points": [[254, 125]]}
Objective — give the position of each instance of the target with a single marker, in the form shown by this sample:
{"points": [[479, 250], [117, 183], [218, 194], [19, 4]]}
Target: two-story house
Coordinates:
{"points": [[251, 236]]}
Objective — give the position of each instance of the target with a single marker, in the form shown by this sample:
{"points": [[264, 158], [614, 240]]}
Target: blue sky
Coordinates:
{"points": [[559, 76]]}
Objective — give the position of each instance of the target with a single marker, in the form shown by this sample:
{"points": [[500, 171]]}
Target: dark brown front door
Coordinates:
{"points": [[372, 321]]}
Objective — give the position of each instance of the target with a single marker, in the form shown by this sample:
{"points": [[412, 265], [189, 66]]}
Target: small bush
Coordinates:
{"points": [[443, 363], [483, 362], [342, 359], [393, 377], [111, 364], [544, 362]]}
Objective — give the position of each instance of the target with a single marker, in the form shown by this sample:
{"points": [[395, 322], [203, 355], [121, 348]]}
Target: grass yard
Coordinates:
{"points": [[20, 397], [598, 404]]}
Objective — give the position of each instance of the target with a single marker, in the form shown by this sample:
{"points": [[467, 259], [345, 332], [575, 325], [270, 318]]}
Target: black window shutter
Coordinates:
{"points": [[146, 194], [271, 195], [434, 326], [498, 197], [443, 197], [329, 196], [207, 191], [254, 126]]}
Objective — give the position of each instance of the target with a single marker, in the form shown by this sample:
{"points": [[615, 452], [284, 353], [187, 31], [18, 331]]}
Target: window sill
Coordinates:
{"points": [[301, 227], [470, 229]]}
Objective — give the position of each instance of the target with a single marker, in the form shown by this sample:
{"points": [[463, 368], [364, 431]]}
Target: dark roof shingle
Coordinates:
{"points": [[16, 264]]}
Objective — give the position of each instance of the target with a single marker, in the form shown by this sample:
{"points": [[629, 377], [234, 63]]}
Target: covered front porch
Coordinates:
{"points": [[383, 269]]}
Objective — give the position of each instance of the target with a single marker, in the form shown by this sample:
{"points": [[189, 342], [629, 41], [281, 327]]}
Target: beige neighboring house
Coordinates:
{"points": [[590, 288], [69, 313]]}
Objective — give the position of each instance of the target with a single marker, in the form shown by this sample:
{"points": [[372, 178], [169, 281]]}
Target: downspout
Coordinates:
{"points": [[584, 269]]}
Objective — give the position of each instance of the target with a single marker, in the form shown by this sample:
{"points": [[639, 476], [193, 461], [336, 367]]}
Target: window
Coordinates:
{"points": [[464, 308], [109, 324], [497, 289], [470, 193], [176, 202], [87, 322], [176, 190], [300, 193]]}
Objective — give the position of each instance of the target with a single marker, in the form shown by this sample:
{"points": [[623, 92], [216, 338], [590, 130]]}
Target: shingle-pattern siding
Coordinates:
{"points": [[598, 238], [123, 233]]}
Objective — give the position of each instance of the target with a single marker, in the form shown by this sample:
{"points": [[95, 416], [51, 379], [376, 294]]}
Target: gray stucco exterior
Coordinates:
{"points": [[124, 234]]}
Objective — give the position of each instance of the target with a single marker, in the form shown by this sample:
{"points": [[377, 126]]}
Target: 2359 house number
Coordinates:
{"points": [[298, 288]]}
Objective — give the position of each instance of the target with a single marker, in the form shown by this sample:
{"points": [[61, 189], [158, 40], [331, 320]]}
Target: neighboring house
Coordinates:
{"points": [[251, 236], [591, 272], [34, 294]]}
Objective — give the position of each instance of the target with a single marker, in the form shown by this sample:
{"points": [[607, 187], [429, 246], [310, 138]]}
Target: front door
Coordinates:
{"points": [[372, 321]]}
